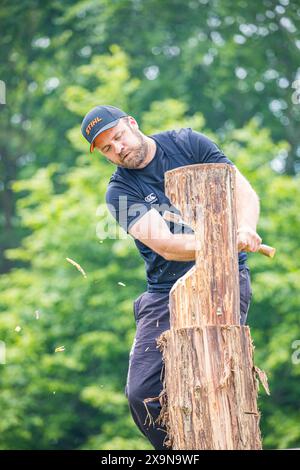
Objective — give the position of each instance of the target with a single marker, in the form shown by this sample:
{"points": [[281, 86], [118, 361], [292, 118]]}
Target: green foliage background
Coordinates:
{"points": [[226, 69]]}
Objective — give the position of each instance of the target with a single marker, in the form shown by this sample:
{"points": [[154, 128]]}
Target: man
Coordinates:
{"points": [[136, 198]]}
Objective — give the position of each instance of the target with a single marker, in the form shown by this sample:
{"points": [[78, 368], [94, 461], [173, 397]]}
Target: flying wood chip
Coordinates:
{"points": [[77, 266]]}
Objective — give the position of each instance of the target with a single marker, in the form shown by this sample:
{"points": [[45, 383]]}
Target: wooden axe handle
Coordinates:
{"points": [[267, 250]]}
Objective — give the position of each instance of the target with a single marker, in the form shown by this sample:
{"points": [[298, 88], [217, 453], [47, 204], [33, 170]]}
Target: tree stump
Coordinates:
{"points": [[210, 394]]}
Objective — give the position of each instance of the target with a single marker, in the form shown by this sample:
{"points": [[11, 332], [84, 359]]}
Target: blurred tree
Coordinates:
{"points": [[35, 66], [230, 60]]}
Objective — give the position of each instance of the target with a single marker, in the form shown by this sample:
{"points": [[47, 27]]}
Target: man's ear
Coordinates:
{"points": [[133, 122]]}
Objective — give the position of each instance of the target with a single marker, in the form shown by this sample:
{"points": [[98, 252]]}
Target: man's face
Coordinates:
{"points": [[124, 145]]}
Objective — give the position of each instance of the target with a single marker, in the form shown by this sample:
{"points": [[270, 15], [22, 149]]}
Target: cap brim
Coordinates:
{"points": [[108, 126]]}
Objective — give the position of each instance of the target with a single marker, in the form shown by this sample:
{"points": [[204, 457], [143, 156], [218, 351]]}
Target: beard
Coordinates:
{"points": [[137, 154]]}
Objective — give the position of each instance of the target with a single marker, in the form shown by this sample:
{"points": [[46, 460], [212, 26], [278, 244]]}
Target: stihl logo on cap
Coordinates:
{"points": [[92, 124]]}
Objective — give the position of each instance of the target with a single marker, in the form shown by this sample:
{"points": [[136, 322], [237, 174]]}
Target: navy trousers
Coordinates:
{"points": [[151, 313]]}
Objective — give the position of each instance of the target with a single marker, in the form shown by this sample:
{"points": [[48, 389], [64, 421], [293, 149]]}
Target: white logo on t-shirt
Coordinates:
{"points": [[151, 197]]}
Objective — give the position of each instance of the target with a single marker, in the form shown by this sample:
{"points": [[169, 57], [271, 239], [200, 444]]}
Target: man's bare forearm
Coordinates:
{"points": [[247, 207], [181, 247], [247, 204], [247, 210]]}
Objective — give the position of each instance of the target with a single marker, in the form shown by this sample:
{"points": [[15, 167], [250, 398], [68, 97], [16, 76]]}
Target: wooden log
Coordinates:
{"points": [[210, 393], [209, 293], [211, 388]]}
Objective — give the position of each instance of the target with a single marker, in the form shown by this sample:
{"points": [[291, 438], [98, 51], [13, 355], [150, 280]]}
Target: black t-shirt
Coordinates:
{"points": [[131, 193]]}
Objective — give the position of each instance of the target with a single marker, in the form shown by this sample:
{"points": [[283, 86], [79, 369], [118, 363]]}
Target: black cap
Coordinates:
{"points": [[98, 120]]}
